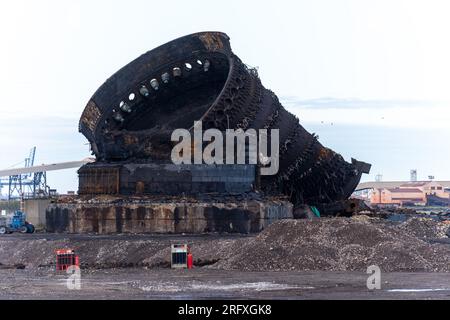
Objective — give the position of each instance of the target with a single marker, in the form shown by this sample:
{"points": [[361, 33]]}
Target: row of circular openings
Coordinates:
{"points": [[165, 77]]}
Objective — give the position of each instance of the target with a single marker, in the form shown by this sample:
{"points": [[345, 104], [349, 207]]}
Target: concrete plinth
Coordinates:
{"points": [[35, 210], [153, 216]]}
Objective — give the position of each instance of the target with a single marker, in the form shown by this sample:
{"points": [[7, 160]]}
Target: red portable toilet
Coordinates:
{"points": [[190, 259], [66, 258]]}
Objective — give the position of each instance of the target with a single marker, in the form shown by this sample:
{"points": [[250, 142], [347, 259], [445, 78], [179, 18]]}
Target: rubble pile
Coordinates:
{"points": [[94, 253], [423, 227], [337, 245], [125, 251], [334, 244]]}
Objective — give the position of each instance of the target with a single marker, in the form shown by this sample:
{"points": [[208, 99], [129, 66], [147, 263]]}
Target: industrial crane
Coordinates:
{"points": [[31, 181]]}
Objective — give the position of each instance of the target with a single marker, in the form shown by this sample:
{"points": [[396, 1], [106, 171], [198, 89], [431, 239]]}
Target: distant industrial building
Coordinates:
{"points": [[405, 193]]}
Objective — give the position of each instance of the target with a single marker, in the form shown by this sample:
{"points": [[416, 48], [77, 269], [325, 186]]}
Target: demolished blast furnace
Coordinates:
{"points": [[130, 119]]}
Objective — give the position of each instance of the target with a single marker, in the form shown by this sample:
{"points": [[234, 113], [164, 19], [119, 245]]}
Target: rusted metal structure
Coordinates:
{"points": [[130, 118]]}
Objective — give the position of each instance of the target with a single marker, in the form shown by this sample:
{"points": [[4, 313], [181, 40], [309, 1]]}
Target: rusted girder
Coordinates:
{"points": [[197, 77]]}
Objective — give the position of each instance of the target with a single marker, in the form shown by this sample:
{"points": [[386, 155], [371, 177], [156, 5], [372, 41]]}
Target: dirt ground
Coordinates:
{"points": [[220, 284], [292, 259]]}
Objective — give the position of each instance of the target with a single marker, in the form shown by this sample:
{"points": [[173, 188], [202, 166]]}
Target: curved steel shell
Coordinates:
{"points": [[198, 77]]}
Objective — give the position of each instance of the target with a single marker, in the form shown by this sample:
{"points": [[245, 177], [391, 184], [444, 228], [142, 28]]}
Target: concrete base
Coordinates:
{"points": [[153, 216], [35, 210]]}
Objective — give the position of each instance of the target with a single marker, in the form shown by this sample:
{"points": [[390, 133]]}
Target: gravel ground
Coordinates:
{"points": [[201, 283]]}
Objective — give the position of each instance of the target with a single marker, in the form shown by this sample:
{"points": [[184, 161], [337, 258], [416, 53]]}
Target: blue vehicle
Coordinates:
{"points": [[17, 223]]}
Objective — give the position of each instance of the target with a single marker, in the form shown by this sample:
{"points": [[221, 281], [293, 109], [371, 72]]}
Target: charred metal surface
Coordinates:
{"points": [[197, 77], [165, 179], [103, 180]]}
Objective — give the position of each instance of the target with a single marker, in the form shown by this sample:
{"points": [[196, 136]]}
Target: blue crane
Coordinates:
{"points": [[27, 185]]}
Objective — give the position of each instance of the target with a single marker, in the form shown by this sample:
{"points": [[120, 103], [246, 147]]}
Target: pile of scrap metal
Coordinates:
{"points": [[130, 119]]}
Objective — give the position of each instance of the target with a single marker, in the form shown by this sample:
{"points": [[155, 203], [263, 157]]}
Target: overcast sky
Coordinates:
{"points": [[371, 78]]}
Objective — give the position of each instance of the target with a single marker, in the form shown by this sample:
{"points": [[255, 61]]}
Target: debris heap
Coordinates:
{"points": [[337, 244]]}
